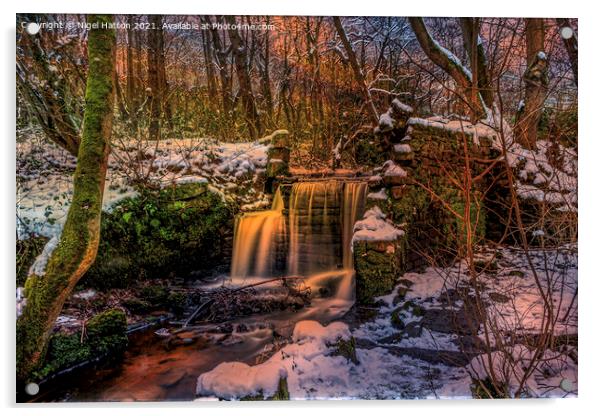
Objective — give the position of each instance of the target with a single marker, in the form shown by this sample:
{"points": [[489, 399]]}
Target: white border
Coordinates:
{"points": [[590, 184]]}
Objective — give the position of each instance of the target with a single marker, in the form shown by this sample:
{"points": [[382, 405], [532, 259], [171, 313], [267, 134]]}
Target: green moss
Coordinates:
{"points": [[78, 243], [413, 308], [281, 394], [137, 306], [396, 320], [175, 230], [177, 301], [105, 335], [346, 348], [376, 271]]}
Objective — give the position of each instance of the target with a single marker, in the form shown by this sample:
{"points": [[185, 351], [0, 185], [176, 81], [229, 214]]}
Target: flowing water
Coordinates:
{"points": [[309, 237]]}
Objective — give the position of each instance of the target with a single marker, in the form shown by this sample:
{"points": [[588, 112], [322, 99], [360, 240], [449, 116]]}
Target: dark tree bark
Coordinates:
{"points": [[360, 78], [239, 51], [536, 84], [570, 45], [476, 54], [221, 56], [76, 250], [155, 87], [48, 101], [449, 63]]}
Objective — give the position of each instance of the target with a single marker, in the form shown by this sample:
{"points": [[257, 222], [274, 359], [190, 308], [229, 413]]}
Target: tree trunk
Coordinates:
{"points": [[474, 46], [48, 101], [570, 45], [450, 63], [76, 250], [221, 56], [154, 80], [357, 71], [244, 80], [132, 104], [536, 84]]}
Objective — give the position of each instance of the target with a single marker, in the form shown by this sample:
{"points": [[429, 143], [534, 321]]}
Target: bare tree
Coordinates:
{"points": [[536, 84]]}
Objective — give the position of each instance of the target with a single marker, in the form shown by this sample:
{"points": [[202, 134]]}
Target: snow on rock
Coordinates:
{"points": [[385, 122], [306, 357], [314, 370], [374, 227], [401, 106], [402, 148], [380, 195], [39, 265], [313, 330], [476, 131], [390, 168], [234, 380]]}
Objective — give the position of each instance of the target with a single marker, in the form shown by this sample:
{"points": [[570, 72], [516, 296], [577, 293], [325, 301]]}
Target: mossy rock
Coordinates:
{"points": [[159, 233], [413, 308], [137, 306], [177, 302], [396, 320], [346, 348], [376, 270], [156, 295], [277, 167], [281, 394], [106, 336]]}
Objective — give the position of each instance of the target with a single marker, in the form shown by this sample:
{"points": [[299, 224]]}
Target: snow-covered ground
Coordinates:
{"points": [[394, 363], [44, 175]]}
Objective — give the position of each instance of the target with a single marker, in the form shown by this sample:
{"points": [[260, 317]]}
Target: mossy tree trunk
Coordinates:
{"points": [[76, 251]]}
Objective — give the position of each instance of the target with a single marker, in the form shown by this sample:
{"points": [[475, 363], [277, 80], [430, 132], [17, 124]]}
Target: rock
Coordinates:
{"points": [[396, 320], [413, 329], [451, 321], [498, 297], [377, 267]]}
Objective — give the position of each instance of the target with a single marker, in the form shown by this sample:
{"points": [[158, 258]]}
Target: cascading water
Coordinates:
{"points": [[255, 241], [314, 224], [311, 238], [354, 202]]}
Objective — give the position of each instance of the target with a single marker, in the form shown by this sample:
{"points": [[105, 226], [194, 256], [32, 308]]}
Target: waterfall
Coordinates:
{"points": [[314, 238], [255, 241], [354, 201], [310, 236]]}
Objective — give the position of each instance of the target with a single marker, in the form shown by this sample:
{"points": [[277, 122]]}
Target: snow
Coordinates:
{"points": [[39, 265], [380, 195], [476, 131], [21, 300], [314, 331], [555, 377], [45, 185], [390, 168], [542, 180], [402, 148], [374, 227], [541, 55], [401, 106], [313, 370], [234, 380], [385, 122]]}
